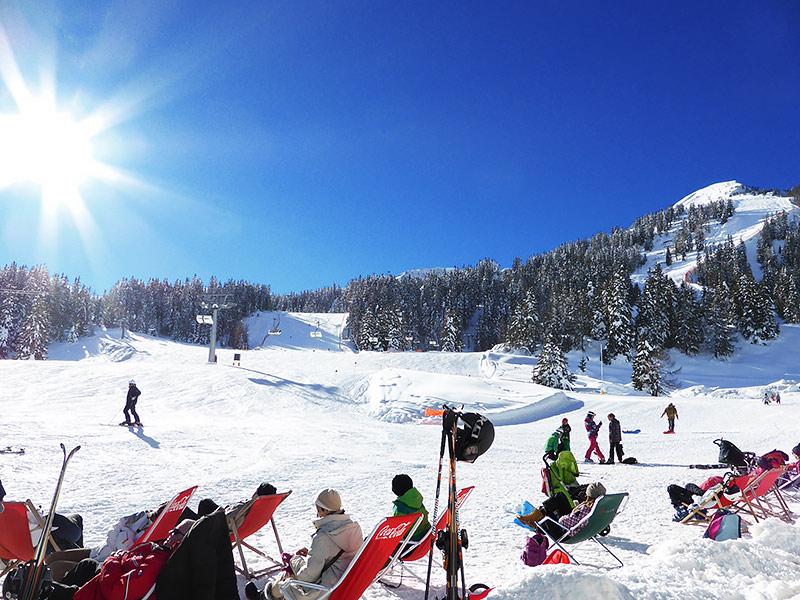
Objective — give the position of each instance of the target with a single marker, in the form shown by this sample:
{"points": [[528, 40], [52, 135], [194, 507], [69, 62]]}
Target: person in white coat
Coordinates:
{"points": [[333, 545]]}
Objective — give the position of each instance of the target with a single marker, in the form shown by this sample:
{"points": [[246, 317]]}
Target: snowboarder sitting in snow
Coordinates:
{"points": [[614, 438], [592, 429], [130, 405], [409, 501], [334, 544], [672, 413]]}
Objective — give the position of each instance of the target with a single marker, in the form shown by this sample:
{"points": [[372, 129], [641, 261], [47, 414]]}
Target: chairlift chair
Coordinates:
{"points": [[276, 326], [316, 333]]}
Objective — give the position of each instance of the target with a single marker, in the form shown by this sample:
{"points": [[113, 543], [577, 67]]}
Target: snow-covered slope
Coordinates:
{"points": [[751, 207], [305, 419], [297, 329]]}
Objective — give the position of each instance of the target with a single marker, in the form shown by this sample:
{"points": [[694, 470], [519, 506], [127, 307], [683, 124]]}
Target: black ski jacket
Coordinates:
{"points": [[202, 566], [133, 393], [614, 431]]}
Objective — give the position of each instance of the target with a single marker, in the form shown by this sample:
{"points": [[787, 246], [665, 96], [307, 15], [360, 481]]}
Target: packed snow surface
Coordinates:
{"points": [[304, 418]]}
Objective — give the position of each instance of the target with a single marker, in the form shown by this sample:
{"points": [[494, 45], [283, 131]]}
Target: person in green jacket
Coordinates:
{"points": [[558, 441], [409, 500]]}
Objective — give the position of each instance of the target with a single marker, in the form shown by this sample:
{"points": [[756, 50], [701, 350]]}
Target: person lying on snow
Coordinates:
{"points": [[681, 497], [333, 545], [558, 509]]}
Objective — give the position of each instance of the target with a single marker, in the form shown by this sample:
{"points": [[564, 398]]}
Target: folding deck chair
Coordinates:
{"points": [[763, 499], [167, 519], [791, 482], [377, 554], [603, 512], [700, 513], [261, 512], [16, 544], [417, 550]]}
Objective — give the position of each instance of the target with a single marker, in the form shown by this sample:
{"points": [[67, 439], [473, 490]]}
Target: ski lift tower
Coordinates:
{"points": [[214, 303]]}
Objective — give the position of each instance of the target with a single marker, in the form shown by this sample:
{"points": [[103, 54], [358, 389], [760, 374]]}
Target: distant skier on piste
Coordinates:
{"points": [[130, 405], [672, 413]]}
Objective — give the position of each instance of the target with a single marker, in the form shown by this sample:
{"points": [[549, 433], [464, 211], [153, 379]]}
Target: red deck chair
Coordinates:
{"points": [[418, 550], [167, 518], [16, 544], [701, 512], [261, 512], [386, 542], [762, 498]]}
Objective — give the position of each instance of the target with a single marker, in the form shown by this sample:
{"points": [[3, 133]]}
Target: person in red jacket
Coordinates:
{"points": [[131, 574]]}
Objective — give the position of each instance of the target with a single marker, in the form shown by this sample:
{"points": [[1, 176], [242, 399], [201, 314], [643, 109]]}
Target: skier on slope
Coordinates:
{"points": [[672, 414], [130, 405], [592, 429]]}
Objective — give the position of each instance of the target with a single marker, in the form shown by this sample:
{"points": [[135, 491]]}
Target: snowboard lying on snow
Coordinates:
{"points": [[10, 450]]}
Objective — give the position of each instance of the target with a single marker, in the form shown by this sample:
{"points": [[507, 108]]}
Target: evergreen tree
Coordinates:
{"points": [[33, 336], [523, 330], [720, 326], [688, 317], [620, 329], [551, 368], [646, 367], [451, 334]]}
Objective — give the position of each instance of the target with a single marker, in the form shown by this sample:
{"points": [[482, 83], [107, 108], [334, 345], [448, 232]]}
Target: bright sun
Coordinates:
{"points": [[42, 145]]}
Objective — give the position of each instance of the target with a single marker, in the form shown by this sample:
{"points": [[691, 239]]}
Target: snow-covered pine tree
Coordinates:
{"points": [[523, 330], [33, 335], [689, 323], [757, 320], [551, 368], [451, 333], [395, 338], [620, 329], [720, 327], [646, 366], [582, 364]]}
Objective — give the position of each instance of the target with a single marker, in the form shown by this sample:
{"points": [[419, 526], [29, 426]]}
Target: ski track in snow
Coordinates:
{"points": [[306, 418]]}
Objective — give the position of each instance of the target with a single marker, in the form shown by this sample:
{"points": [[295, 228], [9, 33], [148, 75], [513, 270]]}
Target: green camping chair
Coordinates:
{"points": [[603, 512]]}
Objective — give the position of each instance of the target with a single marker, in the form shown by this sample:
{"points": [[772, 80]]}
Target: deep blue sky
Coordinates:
{"points": [[304, 143]]}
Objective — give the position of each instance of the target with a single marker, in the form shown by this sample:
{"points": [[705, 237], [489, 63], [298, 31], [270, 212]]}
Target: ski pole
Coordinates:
{"points": [[435, 509]]}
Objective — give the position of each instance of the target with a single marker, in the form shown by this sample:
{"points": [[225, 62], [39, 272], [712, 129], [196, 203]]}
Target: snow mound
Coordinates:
{"points": [[105, 344], [296, 330], [564, 583], [402, 395]]}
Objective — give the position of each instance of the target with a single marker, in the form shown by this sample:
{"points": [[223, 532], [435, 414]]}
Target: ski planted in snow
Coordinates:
{"points": [[35, 574]]}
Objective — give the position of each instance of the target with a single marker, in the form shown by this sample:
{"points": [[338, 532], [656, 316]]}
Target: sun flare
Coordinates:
{"points": [[40, 144]]}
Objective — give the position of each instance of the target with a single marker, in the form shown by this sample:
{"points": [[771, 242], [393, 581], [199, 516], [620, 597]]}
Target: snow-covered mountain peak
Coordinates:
{"points": [[711, 193]]}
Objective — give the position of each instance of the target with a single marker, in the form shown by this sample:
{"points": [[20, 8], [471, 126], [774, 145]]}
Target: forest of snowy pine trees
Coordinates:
{"points": [[580, 291]]}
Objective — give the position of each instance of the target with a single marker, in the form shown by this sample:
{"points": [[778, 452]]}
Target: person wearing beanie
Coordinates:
{"points": [[409, 501], [592, 429], [796, 451], [333, 545], [572, 521]]}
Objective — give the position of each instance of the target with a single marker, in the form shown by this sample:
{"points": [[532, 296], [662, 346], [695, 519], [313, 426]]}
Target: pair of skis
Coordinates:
{"points": [[451, 540], [35, 575]]}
